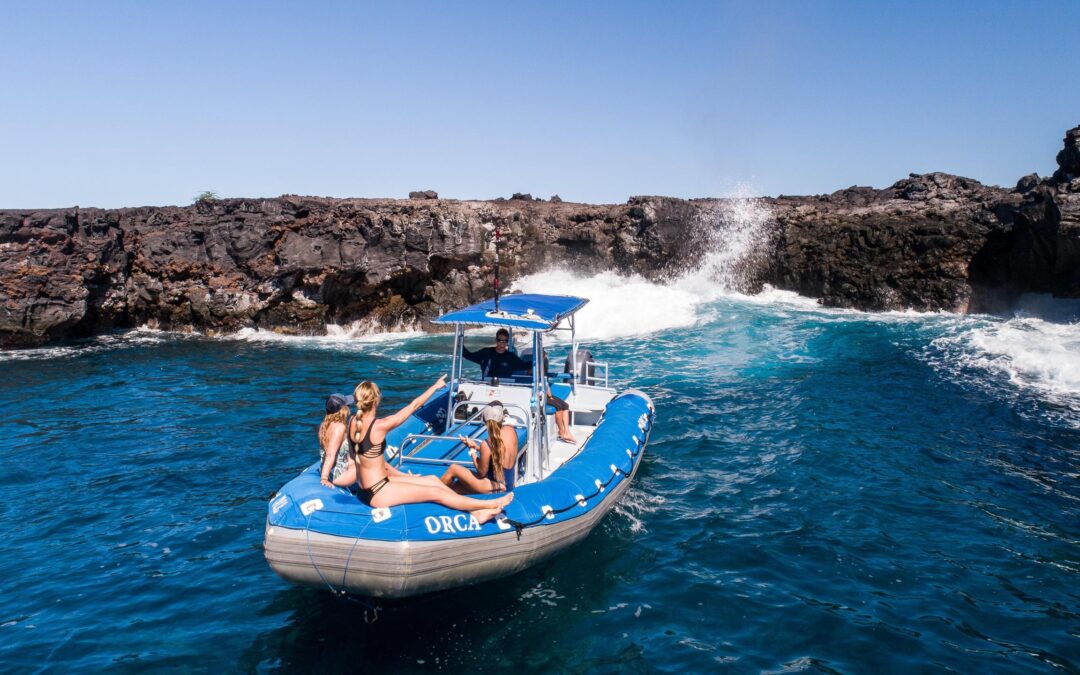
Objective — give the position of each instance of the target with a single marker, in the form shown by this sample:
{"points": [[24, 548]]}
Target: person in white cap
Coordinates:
{"points": [[494, 459]]}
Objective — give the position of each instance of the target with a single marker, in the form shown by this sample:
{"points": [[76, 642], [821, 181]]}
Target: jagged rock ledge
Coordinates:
{"points": [[294, 264]]}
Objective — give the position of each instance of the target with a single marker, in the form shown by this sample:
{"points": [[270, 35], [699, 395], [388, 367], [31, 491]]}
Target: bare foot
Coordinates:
{"points": [[484, 515], [568, 439], [501, 502]]}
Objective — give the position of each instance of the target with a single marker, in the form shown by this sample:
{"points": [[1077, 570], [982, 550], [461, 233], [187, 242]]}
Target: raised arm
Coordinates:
{"points": [[480, 454], [397, 419], [471, 356]]}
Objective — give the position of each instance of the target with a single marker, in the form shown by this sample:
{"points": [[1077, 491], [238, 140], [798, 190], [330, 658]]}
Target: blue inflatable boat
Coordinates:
{"points": [[327, 537]]}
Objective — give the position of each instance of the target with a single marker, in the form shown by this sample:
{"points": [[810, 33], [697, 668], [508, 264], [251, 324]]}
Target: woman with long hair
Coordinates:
{"points": [[381, 485], [337, 467], [494, 460]]}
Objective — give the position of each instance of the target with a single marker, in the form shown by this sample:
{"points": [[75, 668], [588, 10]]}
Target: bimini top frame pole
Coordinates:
{"points": [[455, 373], [573, 356], [537, 460]]}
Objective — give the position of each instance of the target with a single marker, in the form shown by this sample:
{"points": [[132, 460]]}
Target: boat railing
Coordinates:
{"points": [[451, 435], [590, 374], [484, 404]]}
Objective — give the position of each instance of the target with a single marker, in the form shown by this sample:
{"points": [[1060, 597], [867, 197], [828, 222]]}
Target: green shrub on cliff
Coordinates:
{"points": [[207, 196]]}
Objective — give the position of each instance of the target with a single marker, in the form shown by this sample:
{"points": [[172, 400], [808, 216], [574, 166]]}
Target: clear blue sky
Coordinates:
{"points": [[138, 103]]}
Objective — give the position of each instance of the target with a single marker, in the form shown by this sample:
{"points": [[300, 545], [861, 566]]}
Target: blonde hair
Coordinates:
{"points": [[367, 396], [341, 415], [495, 442]]}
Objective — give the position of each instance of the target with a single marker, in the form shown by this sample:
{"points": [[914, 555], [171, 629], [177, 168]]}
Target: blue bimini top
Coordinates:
{"points": [[523, 310]]}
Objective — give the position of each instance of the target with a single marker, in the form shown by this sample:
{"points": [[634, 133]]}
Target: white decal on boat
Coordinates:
{"points": [[503, 523], [580, 500], [379, 515], [549, 512], [614, 469], [459, 523], [279, 503], [311, 506], [599, 485], [529, 315]]}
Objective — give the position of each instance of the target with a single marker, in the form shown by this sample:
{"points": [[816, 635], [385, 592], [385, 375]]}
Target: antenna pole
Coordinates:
{"points": [[496, 267]]}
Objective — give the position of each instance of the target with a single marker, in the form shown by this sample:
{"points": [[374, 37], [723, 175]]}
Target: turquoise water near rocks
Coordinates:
{"points": [[824, 491]]}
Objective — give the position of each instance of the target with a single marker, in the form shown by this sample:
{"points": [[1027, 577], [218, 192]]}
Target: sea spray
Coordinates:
{"points": [[732, 236], [619, 306]]}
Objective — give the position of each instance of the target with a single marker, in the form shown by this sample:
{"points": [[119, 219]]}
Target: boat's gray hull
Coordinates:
{"points": [[406, 568]]}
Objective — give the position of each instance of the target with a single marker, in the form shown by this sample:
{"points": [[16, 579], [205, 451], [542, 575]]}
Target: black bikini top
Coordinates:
{"points": [[369, 449]]}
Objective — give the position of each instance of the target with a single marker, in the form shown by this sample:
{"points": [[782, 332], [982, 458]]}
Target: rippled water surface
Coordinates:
{"points": [[823, 491]]}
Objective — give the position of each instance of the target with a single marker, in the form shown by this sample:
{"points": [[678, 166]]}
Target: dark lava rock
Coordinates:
{"points": [[291, 264], [424, 194], [1068, 158], [522, 197], [1027, 183], [930, 242]]}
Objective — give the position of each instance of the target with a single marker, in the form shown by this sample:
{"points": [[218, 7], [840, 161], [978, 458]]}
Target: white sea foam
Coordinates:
{"points": [[618, 306], [39, 353], [1038, 356], [358, 332], [622, 306], [132, 338]]}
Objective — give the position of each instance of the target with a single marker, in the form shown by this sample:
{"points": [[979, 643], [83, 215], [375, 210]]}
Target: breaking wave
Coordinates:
{"points": [[731, 234], [619, 306], [363, 331], [1034, 356]]}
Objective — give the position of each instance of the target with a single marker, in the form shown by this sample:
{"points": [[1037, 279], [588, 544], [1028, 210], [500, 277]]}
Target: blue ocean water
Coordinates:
{"points": [[824, 491]]}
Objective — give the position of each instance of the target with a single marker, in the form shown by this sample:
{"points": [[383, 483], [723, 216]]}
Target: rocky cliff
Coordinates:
{"points": [[295, 264], [934, 241]]}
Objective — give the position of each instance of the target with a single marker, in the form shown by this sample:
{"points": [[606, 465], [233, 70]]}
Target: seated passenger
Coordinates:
{"points": [[494, 460], [334, 443], [497, 361], [562, 411], [368, 435], [562, 417]]}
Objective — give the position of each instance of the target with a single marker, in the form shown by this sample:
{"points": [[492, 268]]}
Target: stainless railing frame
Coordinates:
{"points": [[413, 438]]}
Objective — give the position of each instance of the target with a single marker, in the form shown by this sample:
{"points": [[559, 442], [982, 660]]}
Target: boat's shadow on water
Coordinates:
{"points": [[510, 622]]}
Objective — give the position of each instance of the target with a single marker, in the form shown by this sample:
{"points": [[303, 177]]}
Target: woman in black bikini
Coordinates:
{"points": [[381, 485]]}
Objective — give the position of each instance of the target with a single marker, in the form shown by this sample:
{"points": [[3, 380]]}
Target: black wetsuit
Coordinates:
{"points": [[494, 364]]}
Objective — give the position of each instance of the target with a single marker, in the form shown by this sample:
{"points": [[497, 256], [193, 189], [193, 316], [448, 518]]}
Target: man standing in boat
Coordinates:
{"points": [[497, 361]]}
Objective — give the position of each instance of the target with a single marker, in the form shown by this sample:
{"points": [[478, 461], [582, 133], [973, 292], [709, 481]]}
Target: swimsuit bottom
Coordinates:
{"points": [[557, 403], [367, 494]]}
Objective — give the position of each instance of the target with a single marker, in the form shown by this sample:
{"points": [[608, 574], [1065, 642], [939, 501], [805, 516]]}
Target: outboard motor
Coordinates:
{"points": [[585, 369]]}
